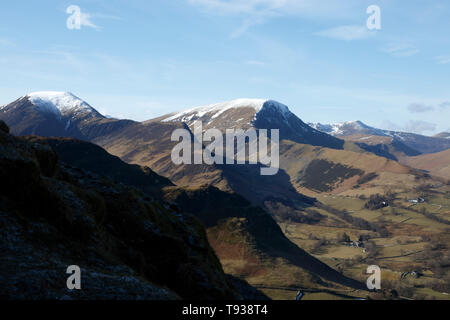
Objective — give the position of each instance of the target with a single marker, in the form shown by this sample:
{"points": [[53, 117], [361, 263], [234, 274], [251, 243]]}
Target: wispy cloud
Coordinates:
{"points": [[348, 33], [422, 107], [86, 21], [255, 63], [401, 49], [444, 59], [241, 6], [419, 108], [106, 16], [419, 126], [414, 126], [247, 24], [310, 8], [256, 12], [86, 18], [445, 104]]}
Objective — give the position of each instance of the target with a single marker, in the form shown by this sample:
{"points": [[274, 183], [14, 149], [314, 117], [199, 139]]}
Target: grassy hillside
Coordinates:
{"points": [[437, 164], [313, 170], [251, 245]]}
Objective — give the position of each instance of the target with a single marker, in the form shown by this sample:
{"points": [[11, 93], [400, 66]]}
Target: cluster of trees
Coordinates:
{"points": [[430, 215], [433, 217], [344, 215], [423, 188], [319, 245], [308, 216], [442, 286], [286, 213], [366, 178], [343, 237], [372, 251], [436, 257], [376, 202], [357, 222]]}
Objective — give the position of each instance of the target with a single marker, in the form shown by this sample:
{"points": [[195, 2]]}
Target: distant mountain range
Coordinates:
{"points": [[148, 143], [363, 133], [445, 135]]}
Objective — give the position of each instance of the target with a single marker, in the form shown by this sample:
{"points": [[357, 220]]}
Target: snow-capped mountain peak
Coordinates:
{"points": [[253, 113], [59, 103], [347, 128], [217, 109]]}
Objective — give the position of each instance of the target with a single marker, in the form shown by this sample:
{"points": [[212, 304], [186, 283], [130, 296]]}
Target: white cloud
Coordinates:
{"points": [[401, 49], [445, 59], [348, 33]]}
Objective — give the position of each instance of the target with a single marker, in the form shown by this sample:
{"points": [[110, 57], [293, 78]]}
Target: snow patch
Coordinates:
{"points": [[219, 108], [58, 103], [341, 128]]}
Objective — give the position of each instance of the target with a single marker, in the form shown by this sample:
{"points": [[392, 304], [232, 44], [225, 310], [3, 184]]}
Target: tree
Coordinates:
{"points": [[343, 237]]}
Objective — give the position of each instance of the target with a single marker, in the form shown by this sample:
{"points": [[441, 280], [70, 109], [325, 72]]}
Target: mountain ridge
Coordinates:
{"points": [[420, 143], [257, 114]]}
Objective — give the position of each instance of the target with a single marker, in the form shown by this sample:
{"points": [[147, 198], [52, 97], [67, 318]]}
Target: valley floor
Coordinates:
{"points": [[412, 252]]}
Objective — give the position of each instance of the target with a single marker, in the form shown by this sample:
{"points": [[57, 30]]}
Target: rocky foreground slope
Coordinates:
{"points": [[128, 244]]}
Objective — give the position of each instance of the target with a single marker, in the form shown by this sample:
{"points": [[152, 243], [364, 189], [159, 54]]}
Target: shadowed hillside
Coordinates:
{"points": [[238, 231], [128, 244]]}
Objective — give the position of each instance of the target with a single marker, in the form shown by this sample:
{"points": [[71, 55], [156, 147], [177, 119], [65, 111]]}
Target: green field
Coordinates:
{"points": [[415, 238]]}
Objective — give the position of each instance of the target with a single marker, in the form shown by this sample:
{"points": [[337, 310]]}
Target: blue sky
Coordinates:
{"points": [[139, 59]]}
